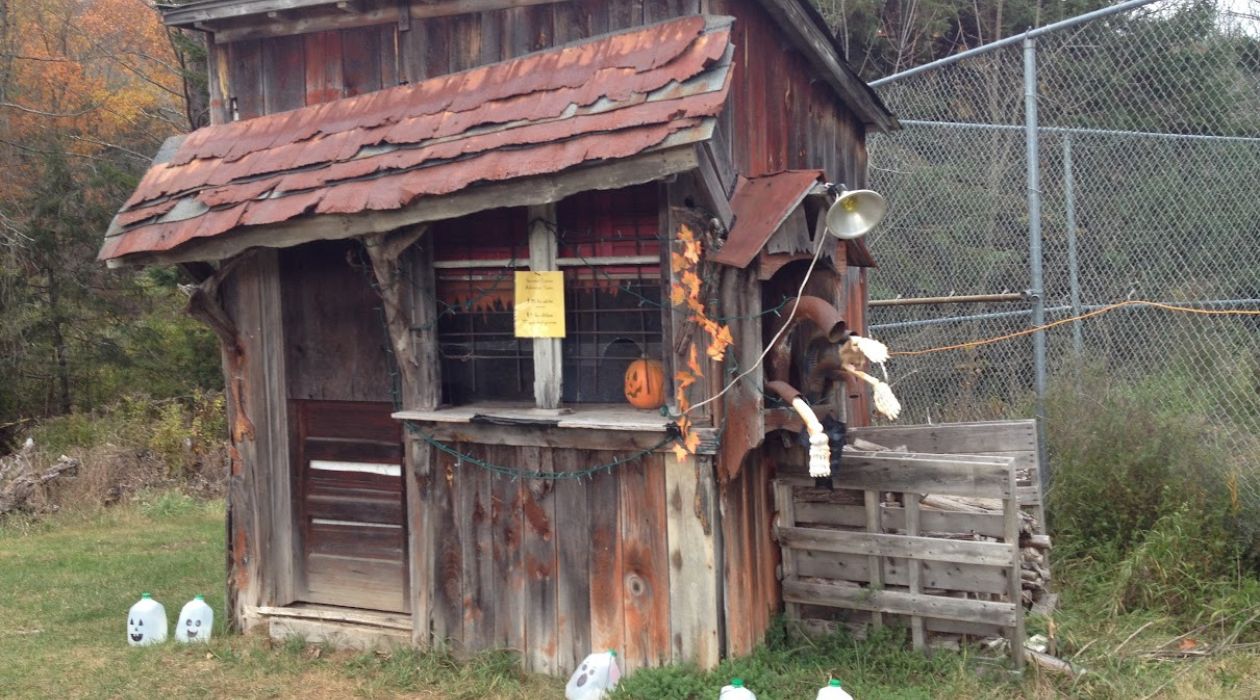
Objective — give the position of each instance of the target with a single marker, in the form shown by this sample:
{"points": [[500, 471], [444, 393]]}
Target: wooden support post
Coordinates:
{"points": [[918, 633], [875, 561], [427, 392], [548, 376]]}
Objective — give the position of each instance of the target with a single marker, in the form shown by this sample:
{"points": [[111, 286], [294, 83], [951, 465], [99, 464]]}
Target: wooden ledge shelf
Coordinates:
{"points": [[589, 426]]}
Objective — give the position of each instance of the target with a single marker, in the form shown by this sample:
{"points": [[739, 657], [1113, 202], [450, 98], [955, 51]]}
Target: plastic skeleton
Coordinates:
{"points": [[857, 351], [854, 353]]}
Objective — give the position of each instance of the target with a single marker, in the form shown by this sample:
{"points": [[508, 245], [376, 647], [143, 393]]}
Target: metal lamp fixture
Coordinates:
{"points": [[854, 212]]}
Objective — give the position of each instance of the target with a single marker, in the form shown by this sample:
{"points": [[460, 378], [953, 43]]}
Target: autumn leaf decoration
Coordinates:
{"points": [[687, 291]]}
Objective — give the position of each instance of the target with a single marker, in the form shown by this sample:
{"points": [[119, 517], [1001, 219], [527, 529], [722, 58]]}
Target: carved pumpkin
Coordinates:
{"points": [[645, 384]]}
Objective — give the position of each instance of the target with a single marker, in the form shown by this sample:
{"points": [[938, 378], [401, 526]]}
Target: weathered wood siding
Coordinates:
{"points": [[558, 568], [336, 347], [780, 117], [632, 560], [259, 556]]}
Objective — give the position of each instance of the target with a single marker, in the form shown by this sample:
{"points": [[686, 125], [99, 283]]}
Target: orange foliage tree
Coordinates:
{"points": [[89, 89]]}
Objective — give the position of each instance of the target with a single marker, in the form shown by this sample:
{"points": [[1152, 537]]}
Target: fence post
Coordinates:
{"points": [[1033, 164], [1074, 280]]}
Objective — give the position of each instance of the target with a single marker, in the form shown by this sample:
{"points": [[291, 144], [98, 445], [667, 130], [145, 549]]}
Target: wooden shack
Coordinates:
{"points": [[405, 466]]}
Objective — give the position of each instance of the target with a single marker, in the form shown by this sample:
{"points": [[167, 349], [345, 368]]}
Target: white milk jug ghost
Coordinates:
{"points": [[833, 691], [146, 622], [195, 621], [736, 691], [594, 678]]}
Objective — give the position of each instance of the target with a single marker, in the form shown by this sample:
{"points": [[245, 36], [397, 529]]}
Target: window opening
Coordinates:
{"points": [[482, 359], [610, 252]]}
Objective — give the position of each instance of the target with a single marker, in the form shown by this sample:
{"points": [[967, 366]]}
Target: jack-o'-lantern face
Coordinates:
{"points": [[645, 384]]}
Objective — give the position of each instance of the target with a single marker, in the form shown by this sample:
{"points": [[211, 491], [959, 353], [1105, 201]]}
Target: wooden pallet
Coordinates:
{"points": [[903, 560]]}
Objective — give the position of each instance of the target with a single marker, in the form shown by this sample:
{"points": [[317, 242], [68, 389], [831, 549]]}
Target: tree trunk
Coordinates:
{"points": [[59, 343]]}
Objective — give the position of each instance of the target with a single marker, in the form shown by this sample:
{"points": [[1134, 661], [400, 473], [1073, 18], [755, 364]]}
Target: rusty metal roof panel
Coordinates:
{"points": [[760, 206], [608, 98]]}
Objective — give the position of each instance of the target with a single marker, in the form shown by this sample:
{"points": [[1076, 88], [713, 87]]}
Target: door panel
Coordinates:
{"points": [[350, 505]]}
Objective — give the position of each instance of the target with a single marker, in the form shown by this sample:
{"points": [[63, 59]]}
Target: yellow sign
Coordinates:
{"points": [[539, 305]]}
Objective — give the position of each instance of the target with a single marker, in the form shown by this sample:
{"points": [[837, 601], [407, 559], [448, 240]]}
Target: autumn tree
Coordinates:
{"points": [[89, 89]]}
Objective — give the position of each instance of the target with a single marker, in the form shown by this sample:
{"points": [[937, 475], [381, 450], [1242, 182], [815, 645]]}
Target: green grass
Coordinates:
{"points": [[67, 581]]}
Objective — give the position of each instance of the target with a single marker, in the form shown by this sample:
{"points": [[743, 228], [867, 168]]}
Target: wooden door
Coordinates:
{"points": [[351, 508]]}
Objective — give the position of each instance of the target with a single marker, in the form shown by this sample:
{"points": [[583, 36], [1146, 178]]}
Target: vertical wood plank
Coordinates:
{"points": [[694, 581], [491, 37], [360, 60], [570, 23], [875, 562], [538, 508], [466, 38], [625, 14], [1010, 513], [217, 62], [413, 46], [785, 503], [548, 360], [768, 555], [594, 16], [324, 80], [918, 633], [245, 79], [607, 604], [506, 547], [479, 584], [421, 538], [657, 10], [645, 563], [573, 582], [284, 73], [737, 565], [446, 620], [388, 43], [437, 49]]}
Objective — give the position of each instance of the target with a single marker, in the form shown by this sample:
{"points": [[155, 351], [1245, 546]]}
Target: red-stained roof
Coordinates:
{"points": [[760, 207], [606, 99]]}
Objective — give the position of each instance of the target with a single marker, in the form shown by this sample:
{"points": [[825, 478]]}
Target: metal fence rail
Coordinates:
{"points": [[1107, 158]]}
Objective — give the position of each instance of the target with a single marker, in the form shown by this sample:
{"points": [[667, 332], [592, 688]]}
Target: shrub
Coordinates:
{"points": [[1122, 460], [1144, 489]]}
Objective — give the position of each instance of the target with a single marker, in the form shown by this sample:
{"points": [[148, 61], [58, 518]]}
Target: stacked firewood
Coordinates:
{"points": [[1034, 546]]}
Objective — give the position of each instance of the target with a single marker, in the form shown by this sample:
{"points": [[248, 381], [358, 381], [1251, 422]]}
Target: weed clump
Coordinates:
{"points": [[1141, 491]]}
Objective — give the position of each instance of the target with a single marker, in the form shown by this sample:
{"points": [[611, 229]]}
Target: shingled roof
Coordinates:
{"points": [[596, 102]]}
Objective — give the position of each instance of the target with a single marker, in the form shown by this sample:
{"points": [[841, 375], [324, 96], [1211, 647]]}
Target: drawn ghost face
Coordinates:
{"points": [[582, 675], [135, 629], [191, 629]]}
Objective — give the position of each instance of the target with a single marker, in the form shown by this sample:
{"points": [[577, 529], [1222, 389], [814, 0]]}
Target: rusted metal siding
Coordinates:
{"points": [[603, 100]]}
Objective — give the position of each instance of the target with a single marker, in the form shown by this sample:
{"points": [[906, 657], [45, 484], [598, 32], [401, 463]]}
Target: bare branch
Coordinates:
{"points": [[42, 113]]}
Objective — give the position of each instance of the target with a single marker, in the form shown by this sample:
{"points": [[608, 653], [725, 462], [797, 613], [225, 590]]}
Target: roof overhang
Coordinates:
{"points": [[615, 111], [783, 214]]}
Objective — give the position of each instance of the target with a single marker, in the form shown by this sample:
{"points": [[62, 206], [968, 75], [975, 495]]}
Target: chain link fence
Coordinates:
{"points": [[1149, 147]]}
